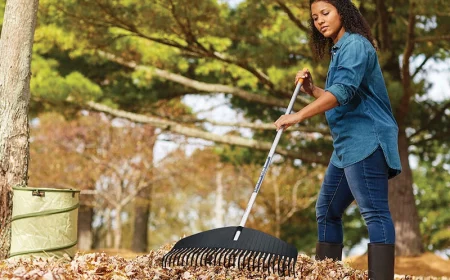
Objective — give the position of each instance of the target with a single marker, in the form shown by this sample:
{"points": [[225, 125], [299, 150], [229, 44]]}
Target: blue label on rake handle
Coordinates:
{"points": [[263, 174]]}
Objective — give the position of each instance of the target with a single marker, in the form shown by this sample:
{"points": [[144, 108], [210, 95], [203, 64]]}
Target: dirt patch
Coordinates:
{"points": [[426, 264]]}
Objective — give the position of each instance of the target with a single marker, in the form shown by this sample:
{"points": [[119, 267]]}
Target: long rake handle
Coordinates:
{"points": [[266, 164]]}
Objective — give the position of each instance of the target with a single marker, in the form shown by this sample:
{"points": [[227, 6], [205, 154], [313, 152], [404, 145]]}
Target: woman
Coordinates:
{"points": [[364, 131]]}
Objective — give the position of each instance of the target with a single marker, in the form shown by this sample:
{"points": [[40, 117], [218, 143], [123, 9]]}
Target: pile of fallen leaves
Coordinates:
{"points": [[103, 266]]}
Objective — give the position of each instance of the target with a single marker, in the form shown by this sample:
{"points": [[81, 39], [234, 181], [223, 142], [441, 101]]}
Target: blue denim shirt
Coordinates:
{"points": [[363, 121]]}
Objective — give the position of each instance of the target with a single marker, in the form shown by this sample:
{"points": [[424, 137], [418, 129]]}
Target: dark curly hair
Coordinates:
{"points": [[352, 20]]}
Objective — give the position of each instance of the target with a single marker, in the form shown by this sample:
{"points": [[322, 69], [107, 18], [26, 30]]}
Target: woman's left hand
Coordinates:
{"points": [[286, 121]]}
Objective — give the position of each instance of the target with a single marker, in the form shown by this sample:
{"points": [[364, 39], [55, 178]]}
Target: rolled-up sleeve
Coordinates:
{"points": [[352, 63]]}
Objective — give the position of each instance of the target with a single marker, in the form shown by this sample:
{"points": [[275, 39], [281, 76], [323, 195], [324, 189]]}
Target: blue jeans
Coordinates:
{"points": [[367, 183]]}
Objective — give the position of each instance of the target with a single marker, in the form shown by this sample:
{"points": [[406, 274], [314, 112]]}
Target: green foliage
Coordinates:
{"points": [[301, 231], [432, 180], [2, 12], [51, 90]]}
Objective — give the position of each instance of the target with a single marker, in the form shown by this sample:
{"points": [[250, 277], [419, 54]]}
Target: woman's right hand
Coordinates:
{"points": [[308, 83]]}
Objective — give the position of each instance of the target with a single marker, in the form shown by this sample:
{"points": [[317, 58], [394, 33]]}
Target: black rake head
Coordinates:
{"points": [[254, 250]]}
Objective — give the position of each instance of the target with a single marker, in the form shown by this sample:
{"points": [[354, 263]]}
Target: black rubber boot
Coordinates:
{"points": [[329, 250], [381, 261]]}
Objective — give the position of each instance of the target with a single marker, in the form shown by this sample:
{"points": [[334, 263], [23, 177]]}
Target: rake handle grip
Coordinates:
{"points": [[267, 163]]}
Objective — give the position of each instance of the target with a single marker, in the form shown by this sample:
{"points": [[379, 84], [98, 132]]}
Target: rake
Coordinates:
{"points": [[239, 246]]}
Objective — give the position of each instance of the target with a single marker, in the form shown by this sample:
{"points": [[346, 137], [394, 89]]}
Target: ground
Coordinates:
{"points": [[427, 264], [122, 265]]}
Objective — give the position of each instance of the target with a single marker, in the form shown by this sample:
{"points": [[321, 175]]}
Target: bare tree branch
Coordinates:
{"points": [[432, 38], [291, 16], [267, 126], [204, 87], [420, 67], [433, 119], [305, 156]]}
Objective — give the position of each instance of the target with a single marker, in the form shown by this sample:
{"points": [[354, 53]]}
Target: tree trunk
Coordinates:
{"points": [[143, 200], [142, 214], [85, 237], [218, 206], [276, 190], [109, 229], [403, 206], [16, 44], [118, 228]]}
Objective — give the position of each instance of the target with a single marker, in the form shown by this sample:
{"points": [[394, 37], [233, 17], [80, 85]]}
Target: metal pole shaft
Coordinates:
{"points": [[266, 164]]}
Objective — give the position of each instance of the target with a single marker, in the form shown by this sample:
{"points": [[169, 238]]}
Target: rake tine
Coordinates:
{"points": [[219, 252], [269, 262], [170, 260], [233, 257], [274, 262], [178, 256], [203, 256], [240, 255], [250, 258], [226, 256], [164, 260], [256, 260], [194, 253], [185, 255], [167, 257], [246, 256], [190, 256], [289, 266], [283, 265], [172, 255], [288, 269], [293, 266], [222, 257], [197, 256], [209, 255], [202, 253], [229, 258], [279, 263], [263, 261]]}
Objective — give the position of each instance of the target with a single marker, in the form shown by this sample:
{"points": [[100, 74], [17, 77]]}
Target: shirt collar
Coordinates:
{"points": [[341, 41]]}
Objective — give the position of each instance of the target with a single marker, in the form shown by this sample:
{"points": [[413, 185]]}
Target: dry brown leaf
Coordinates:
{"points": [[102, 266]]}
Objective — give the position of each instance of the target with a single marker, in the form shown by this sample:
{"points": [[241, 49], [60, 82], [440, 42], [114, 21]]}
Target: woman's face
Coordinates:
{"points": [[327, 20]]}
